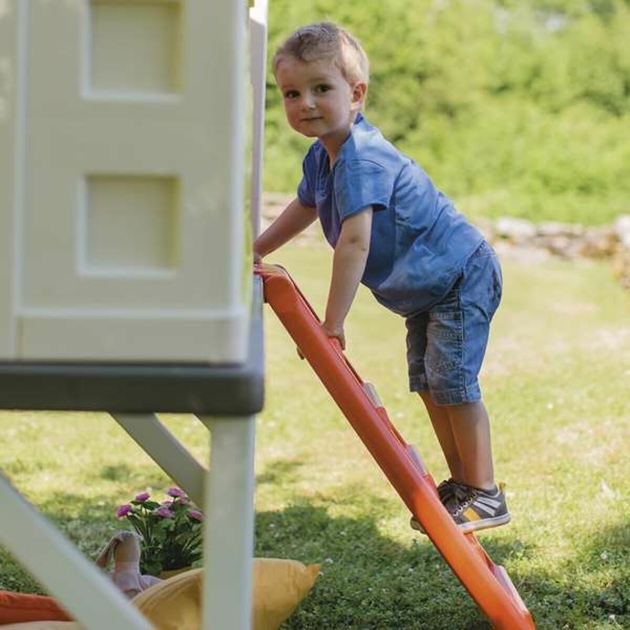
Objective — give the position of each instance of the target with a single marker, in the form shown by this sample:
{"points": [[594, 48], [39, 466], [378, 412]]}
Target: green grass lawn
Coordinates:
{"points": [[556, 382]]}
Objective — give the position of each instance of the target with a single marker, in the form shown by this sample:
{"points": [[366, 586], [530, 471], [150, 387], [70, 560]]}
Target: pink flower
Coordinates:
{"points": [[166, 504], [143, 496], [175, 492], [123, 510], [164, 512], [196, 514]]}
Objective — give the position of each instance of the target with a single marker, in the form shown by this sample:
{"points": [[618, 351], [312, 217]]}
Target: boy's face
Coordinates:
{"points": [[318, 101]]}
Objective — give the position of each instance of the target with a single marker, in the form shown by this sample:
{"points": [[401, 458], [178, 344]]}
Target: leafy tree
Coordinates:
{"points": [[513, 106]]}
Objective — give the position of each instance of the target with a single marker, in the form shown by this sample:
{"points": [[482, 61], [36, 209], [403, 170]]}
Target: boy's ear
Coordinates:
{"points": [[359, 91]]}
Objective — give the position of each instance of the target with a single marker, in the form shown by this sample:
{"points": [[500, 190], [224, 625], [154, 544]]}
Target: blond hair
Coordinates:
{"points": [[326, 41]]}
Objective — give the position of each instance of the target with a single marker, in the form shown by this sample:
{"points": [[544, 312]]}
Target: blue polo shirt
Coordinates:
{"points": [[419, 244]]}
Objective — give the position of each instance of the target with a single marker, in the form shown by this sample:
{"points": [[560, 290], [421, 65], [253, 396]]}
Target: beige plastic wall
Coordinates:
{"points": [[124, 133]]}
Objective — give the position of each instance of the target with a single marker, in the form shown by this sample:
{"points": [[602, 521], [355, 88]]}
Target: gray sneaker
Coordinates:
{"points": [[474, 509], [446, 492]]}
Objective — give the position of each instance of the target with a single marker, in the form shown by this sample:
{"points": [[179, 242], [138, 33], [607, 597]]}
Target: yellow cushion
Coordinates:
{"points": [[278, 587]]}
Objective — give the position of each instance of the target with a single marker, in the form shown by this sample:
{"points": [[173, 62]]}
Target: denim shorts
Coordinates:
{"points": [[446, 344]]}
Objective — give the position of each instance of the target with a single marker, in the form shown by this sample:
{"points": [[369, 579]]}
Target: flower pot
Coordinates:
{"points": [[171, 531]]}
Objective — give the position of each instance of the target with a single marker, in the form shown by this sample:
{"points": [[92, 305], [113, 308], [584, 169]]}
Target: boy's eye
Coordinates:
{"points": [[291, 94], [322, 87]]}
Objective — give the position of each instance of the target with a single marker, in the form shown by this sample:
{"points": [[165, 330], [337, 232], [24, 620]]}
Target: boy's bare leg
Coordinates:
{"points": [[463, 432], [470, 428], [441, 421], [464, 435]]}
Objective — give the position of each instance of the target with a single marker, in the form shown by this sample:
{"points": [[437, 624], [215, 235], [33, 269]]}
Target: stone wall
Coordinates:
{"points": [[569, 241], [611, 242]]}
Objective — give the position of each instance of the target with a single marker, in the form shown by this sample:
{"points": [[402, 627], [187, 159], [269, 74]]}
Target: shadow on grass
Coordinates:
{"points": [[367, 580], [281, 471], [370, 581], [591, 589], [88, 523], [132, 474], [611, 551]]}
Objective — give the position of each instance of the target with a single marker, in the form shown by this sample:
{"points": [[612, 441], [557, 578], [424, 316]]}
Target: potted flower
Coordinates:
{"points": [[171, 531]]}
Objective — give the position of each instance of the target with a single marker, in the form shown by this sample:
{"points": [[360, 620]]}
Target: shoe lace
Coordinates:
{"points": [[464, 497], [446, 489]]}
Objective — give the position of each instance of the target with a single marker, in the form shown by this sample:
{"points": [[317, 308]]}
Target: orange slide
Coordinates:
{"points": [[488, 584]]}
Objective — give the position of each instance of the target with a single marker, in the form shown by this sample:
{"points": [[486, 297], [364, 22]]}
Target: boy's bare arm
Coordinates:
{"points": [[349, 261], [295, 218]]}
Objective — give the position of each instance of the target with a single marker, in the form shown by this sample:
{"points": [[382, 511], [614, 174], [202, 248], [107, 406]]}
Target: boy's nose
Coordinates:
{"points": [[308, 102]]}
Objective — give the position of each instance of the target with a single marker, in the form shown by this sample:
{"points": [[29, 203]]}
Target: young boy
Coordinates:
{"points": [[392, 230]]}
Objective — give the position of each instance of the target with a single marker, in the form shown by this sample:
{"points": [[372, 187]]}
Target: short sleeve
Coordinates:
{"points": [[306, 187], [305, 193], [362, 183]]}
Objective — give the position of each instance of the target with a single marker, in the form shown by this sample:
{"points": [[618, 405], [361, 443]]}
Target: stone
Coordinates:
{"points": [[515, 229]]}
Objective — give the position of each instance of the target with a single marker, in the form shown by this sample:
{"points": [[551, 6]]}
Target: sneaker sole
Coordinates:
{"points": [[471, 526], [486, 523]]}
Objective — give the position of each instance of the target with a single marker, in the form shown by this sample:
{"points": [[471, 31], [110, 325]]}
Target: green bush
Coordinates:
{"points": [[514, 108]]}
